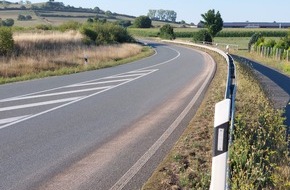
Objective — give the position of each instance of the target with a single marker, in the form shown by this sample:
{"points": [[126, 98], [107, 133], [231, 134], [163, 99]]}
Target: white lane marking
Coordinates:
{"points": [[123, 181], [64, 105], [72, 102], [162, 63], [11, 119], [39, 104], [95, 83], [89, 81], [55, 94], [123, 75], [139, 71]]}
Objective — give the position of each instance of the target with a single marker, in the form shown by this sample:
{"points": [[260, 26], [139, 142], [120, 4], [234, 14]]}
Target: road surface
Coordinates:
{"points": [[104, 129]]}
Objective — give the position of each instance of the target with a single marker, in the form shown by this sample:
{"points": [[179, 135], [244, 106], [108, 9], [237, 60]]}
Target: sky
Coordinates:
{"points": [[190, 10]]}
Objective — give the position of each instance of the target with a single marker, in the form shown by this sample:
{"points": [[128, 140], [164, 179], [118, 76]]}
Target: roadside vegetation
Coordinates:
{"points": [[27, 55], [259, 155]]}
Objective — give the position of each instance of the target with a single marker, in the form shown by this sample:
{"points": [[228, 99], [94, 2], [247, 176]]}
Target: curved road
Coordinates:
{"points": [[104, 129]]}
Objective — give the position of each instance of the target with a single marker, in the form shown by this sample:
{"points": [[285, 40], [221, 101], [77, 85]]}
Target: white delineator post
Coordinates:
{"points": [[220, 145]]}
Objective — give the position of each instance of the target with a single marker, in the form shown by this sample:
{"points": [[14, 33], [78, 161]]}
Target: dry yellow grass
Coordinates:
{"points": [[53, 36], [54, 51]]}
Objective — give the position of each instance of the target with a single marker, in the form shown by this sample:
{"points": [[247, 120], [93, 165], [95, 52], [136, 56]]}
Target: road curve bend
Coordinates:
{"points": [[104, 129]]}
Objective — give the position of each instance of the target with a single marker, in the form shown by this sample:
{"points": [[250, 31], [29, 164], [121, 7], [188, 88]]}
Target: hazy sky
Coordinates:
{"points": [[190, 10]]}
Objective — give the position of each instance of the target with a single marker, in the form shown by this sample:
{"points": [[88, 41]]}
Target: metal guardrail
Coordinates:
{"points": [[224, 123]]}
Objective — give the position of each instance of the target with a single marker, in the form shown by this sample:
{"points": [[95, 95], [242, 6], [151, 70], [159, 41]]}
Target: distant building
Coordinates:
{"points": [[253, 25]]}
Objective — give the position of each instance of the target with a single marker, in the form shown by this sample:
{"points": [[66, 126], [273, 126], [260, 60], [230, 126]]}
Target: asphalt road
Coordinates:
{"points": [[104, 129]]}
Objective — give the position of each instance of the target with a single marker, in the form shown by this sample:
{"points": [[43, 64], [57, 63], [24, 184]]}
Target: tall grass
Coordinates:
{"points": [[259, 153], [53, 53]]}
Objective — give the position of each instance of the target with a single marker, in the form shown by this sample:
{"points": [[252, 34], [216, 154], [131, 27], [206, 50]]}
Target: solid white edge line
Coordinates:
{"points": [[123, 181]]}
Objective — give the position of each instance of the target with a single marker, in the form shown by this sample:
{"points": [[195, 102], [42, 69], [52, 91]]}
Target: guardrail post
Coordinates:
{"points": [[220, 145]]}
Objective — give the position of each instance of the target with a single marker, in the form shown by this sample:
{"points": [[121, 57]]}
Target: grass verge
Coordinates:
{"points": [[258, 156]]}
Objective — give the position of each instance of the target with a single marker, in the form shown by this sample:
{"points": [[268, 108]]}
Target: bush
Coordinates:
{"points": [[105, 33], [8, 22], [43, 27], [202, 36], [166, 32], [70, 25], [23, 18], [6, 41], [28, 17], [253, 40], [270, 43]]}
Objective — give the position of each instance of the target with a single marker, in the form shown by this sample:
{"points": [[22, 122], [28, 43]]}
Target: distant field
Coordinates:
{"points": [[54, 17], [4, 14]]}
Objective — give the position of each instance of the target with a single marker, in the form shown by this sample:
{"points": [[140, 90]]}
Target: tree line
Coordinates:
{"points": [[164, 15]]}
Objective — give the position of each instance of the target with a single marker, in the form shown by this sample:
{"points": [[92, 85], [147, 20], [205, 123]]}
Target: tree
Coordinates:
{"points": [[167, 32], [170, 15], [142, 22], [152, 14], [97, 9], [108, 13], [165, 15], [213, 22]]}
